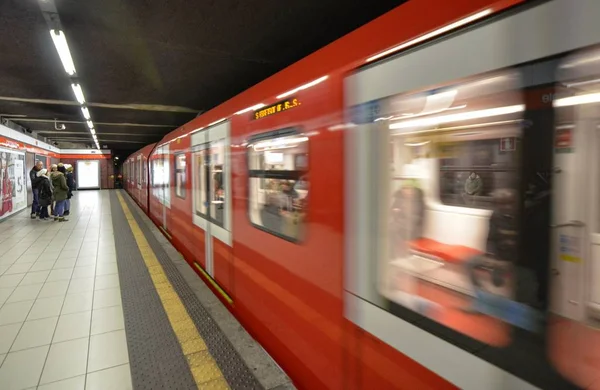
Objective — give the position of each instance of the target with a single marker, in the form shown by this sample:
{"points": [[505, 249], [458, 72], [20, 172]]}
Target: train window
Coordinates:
{"points": [[139, 172], [278, 166], [180, 175], [210, 196], [161, 187]]}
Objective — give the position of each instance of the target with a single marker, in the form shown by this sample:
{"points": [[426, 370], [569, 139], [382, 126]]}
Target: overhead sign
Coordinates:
{"points": [[276, 108]]}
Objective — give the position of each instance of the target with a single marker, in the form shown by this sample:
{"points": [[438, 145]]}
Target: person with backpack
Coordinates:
{"points": [[44, 189], [61, 190]]}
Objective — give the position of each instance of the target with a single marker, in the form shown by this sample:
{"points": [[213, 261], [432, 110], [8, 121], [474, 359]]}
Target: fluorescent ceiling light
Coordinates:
{"points": [[60, 42], [253, 108], [78, 93], [577, 100], [463, 116], [90, 124], [300, 88], [86, 113], [93, 131], [279, 144], [432, 34]]}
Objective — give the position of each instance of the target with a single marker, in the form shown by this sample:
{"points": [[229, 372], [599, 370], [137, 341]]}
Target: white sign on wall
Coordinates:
{"points": [[88, 174]]}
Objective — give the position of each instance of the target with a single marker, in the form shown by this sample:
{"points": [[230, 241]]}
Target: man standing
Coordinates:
{"points": [[35, 207]]}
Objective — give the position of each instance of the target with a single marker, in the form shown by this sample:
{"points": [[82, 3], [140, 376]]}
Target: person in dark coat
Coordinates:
{"points": [[71, 184], [35, 180], [45, 193]]}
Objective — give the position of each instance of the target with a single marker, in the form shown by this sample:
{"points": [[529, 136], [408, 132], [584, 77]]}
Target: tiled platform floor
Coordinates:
{"points": [[61, 319]]}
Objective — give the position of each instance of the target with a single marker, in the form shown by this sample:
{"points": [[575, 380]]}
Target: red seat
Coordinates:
{"points": [[449, 253]]}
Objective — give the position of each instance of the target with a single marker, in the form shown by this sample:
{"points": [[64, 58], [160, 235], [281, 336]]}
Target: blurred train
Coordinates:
{"points": [[414, 206]]}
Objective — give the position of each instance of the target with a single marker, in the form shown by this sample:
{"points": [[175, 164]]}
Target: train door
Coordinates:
{"points": [[161, 187], [211, 199], [568, 228]]}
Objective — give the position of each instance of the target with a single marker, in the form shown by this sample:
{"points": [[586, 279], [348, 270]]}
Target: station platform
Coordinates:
{"points": [[103, 301]]}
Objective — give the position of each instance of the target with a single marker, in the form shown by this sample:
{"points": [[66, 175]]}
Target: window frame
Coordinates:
{"points": [[272, 174], [179, 170]]}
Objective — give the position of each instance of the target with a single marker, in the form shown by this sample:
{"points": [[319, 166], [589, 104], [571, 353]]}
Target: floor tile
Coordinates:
{"points": [[69, 254], [108, 319], [85, 262], [78, 286], [112, 378], [106, 269], [35, 334], [18, 268], [64, 263], [77, 383], [12, 313], [11, 280], [60, 274], [72, 326], [25, 293], [107, 298], [54, 289], [84, 272], [5, 293], [27, 259], [2, 356], [78, 302], [104, 282], [46, 307], [107, 350], [8, 334], [42, 266], [49, 256], [22, 369], [65, 360]]}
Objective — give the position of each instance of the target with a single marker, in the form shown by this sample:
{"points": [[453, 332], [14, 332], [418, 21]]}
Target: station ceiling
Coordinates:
{"points": [[149, 66]]}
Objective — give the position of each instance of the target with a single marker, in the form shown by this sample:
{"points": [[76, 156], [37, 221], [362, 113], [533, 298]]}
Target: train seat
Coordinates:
{"points": [[452, 234]]}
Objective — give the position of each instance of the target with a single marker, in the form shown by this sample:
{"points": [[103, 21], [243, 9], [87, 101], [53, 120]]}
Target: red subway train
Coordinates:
{"points": [[413, 206]]}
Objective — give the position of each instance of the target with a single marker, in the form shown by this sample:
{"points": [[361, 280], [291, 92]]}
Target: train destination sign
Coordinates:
{"points": [[276, 108]]}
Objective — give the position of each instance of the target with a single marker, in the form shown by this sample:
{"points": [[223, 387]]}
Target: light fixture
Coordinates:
{"points": [[93, 131], [463, 116], [432, 34], [78, 93], [252, 108], [300, 88], [283, 143], [577, 100], [90, 124], [86, 113], [60, 42]]}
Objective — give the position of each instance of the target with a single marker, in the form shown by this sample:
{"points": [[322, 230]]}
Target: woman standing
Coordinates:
{"points": [[45, 193]]}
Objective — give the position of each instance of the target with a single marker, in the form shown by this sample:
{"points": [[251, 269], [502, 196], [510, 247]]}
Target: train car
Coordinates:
{"points": [[136, 177], [413, 206]]}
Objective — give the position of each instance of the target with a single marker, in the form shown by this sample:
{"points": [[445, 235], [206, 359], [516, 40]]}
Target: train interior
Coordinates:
{"points": [[278, 184], [460, 234]]}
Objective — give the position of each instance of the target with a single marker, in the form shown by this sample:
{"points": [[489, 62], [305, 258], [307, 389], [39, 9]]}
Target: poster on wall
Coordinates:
{"points": [[88, 174], [13, 188]]}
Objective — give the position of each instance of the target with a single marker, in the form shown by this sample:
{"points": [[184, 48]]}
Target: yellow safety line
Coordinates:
{"points": [[205, 370]]}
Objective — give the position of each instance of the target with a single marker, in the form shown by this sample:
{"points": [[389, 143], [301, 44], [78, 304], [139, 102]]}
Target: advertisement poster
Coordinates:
{"points": [[88, 174], [13, 188]]}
